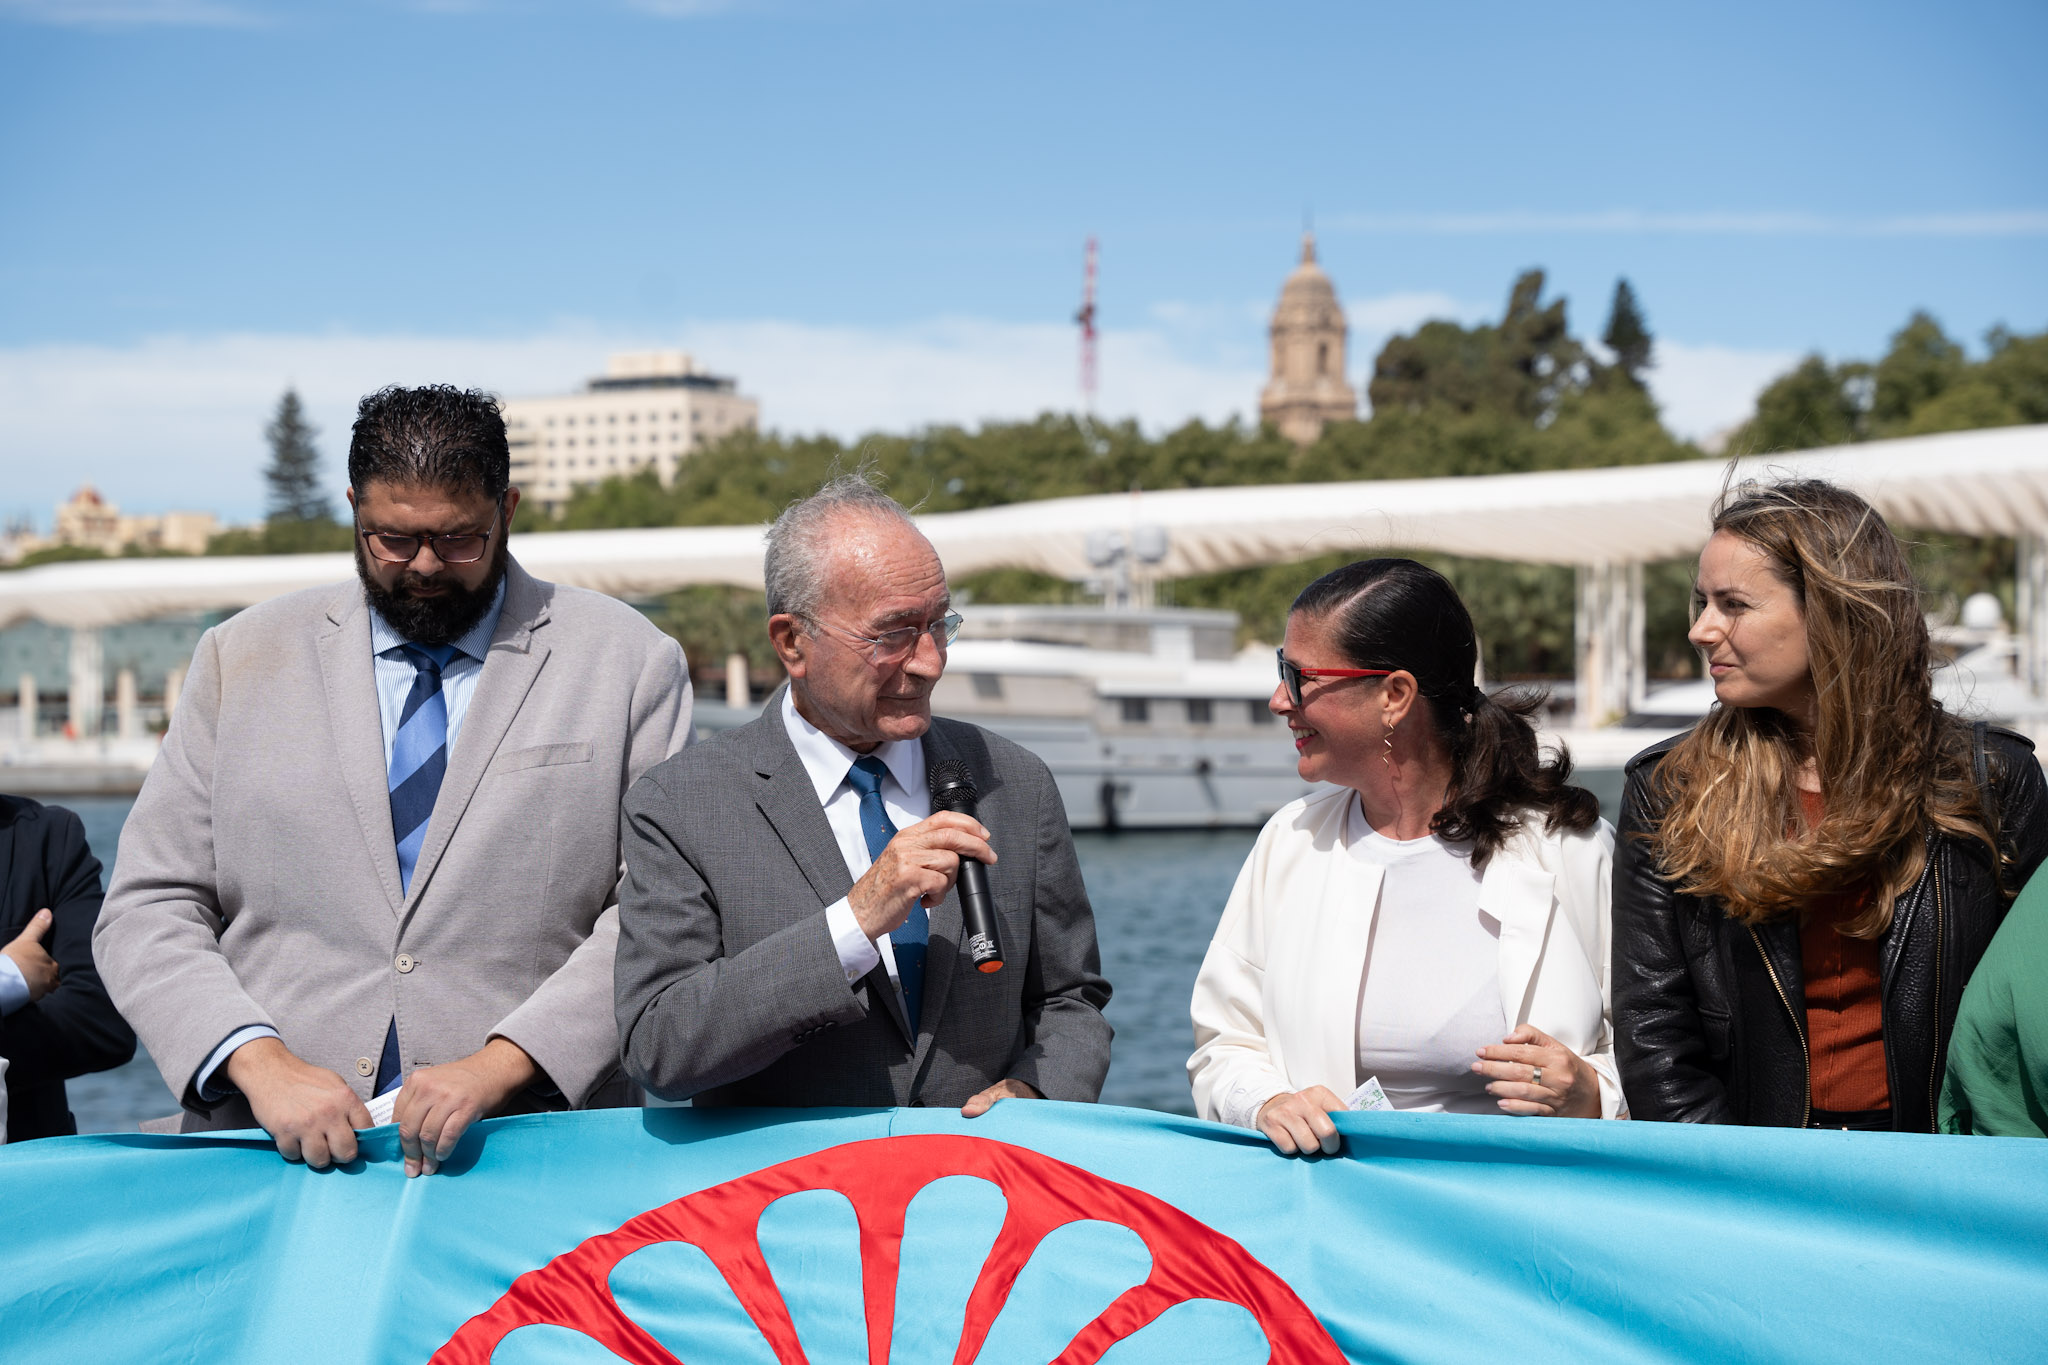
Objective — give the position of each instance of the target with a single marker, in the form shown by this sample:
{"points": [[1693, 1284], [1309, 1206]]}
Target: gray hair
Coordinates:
{"points": [[794, 568]]}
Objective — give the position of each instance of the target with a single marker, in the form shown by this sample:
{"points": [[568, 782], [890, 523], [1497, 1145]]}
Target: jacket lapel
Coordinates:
{"points": [[1518, 893], [789, 803], [354, 719], [511, 664], [1338, 937]]}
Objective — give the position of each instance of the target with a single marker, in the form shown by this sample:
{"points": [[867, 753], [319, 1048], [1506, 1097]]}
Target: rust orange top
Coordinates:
{"points": [[1844, 1001]]}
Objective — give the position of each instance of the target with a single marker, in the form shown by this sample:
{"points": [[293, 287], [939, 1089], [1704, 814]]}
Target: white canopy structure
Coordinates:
{"points": [[1607, 522]]}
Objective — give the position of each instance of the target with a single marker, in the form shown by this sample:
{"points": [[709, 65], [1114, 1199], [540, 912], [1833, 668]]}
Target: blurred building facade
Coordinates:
{"points": [[89, 522], [1307, 387], [649, 410]]}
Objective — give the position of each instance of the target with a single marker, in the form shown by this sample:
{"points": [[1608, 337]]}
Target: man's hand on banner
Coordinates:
{"points": [[1001, 1090], [1300, 1122], [309, 1110], [438, 1103], [1532, 1073]]}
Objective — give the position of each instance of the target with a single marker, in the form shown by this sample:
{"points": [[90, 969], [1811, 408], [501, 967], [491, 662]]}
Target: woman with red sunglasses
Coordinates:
{"points": [[1428, 932]]}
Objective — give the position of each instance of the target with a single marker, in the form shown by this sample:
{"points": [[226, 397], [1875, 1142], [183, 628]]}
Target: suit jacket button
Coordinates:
{"points": [[365, 1067], [406, 962]]}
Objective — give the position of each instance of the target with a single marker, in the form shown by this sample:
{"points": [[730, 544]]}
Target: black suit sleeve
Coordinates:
{"points": [[1066, 1049], [1660, 1042], [75, 1028]]}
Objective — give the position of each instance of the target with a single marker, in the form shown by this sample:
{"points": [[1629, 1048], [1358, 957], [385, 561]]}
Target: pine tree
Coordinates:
{"points": [[1627, 335], [294, 472]]}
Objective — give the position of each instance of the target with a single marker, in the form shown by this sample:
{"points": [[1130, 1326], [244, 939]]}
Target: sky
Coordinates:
{"points": [[872, 212]]}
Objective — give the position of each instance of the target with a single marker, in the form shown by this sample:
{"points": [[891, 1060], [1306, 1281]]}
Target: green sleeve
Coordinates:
{"points": [[1998, 1059]]}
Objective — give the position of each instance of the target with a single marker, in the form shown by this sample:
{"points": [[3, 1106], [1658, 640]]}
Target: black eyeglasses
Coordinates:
{"points": [[893, 646], [1292, 673], [464, 548]]}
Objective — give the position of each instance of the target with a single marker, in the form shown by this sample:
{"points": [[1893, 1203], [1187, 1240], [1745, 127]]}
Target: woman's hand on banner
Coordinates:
{"points": [[1299, 1122]]}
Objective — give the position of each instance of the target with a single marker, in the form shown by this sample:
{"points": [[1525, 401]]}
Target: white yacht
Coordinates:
{"points": [[1150, 718]]}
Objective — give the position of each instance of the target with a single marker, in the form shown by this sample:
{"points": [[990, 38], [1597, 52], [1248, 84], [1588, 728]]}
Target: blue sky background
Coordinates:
{"points": [[873, 212]]}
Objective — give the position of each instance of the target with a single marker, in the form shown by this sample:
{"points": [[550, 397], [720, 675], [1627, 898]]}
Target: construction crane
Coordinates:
{"points": [[1086, 317]]}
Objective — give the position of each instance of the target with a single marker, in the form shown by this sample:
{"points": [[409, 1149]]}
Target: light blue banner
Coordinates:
{"points": [[1150, 1238]]}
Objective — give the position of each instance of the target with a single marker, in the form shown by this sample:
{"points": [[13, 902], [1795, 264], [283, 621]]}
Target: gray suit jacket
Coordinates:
{"points": [[258, 881], [730, 990]]}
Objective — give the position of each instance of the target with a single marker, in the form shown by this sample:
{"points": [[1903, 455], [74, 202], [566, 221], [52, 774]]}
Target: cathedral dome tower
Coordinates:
{"points": [[1307, 387]]}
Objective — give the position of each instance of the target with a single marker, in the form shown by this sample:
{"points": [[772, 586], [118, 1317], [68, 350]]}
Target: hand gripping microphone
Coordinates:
{"points": [[953, 789]]}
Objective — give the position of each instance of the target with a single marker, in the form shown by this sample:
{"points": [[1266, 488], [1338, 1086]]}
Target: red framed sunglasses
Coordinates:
{"points": [[1292, 673]]}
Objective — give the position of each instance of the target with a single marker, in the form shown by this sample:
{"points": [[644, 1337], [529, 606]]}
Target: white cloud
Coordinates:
{"points": [[128, 13], [177, 422], [1704, 390], [1769, 223], [681, 9]]}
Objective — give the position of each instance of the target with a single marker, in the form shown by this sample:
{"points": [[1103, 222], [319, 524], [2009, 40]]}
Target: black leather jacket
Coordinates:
{"points": [[1710, 1013]]}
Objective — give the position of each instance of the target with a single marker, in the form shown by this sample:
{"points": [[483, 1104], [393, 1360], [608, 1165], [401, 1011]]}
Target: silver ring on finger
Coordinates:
{"points": [[1535, 1075]]}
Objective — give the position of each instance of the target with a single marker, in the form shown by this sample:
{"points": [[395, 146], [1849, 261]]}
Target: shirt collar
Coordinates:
{"points": [[476, 643], [826, 760]]}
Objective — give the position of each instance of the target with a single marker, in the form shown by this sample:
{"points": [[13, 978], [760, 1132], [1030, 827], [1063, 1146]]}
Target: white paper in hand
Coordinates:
{"points": [[380, 1108], [1369, 1097]]}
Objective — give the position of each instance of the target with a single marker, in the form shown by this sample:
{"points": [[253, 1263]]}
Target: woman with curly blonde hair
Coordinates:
{"points": [[1805, 880]]}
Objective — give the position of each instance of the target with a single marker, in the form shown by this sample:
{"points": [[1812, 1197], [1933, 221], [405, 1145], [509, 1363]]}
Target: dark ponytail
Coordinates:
{"points": [[1398, 614]]}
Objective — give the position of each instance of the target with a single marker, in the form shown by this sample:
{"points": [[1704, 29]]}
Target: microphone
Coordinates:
{"points": [[953, 789]]}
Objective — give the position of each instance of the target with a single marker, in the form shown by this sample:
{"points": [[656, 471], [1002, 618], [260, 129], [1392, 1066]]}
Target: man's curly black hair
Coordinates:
{"points": [[436, 436]]}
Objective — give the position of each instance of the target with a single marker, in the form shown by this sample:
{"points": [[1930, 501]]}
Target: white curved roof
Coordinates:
{"points": [[1991, 482]]}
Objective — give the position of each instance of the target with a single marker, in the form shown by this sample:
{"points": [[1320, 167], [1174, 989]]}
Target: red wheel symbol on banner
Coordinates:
{"points": [[879, 1178]]}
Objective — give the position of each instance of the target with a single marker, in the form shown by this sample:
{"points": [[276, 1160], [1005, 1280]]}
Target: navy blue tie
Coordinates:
{"points": [[419, 759], [910, 939]]}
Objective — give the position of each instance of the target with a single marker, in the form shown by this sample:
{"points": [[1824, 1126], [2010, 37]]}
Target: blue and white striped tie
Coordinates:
{"points": [[419, 759], [419, 755]]}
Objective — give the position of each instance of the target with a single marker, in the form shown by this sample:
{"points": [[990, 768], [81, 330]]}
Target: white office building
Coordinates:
{"points": [[649, 410]]}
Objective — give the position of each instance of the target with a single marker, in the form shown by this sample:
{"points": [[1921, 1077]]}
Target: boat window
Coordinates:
{"points": [[1201, 711], [988, 686], [1137, 711], [1261, 713]]}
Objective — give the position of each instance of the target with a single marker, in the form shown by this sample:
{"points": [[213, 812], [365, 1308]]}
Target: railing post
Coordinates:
{"points": [[1613, 678], [88, 697], [2030, 609]]}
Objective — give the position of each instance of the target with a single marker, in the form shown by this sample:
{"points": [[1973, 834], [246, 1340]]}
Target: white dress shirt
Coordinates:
{"points": [[905, 796], [13, 987]]}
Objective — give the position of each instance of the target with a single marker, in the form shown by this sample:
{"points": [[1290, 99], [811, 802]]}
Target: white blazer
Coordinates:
{"points": [[1276, 1002]]}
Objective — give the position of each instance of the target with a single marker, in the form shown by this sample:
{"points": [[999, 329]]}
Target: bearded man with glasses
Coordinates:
{"points": [[789, 931], [372, 874]]}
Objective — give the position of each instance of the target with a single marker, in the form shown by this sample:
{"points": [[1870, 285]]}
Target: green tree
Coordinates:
{"points": [[56, 554], [1519, 367], [1816, 404], [1627, 334], [1921, 365], [294, 470]]}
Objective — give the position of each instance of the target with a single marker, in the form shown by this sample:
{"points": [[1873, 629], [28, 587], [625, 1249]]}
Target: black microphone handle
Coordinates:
{"points": [[978, 918]]}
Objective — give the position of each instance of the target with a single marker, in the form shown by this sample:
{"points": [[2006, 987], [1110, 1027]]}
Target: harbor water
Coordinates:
{"points": [[1157, 897]]}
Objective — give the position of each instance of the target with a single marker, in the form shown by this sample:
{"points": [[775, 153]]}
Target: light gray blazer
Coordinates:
{"points": [[730, 990], [258, 881]]}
